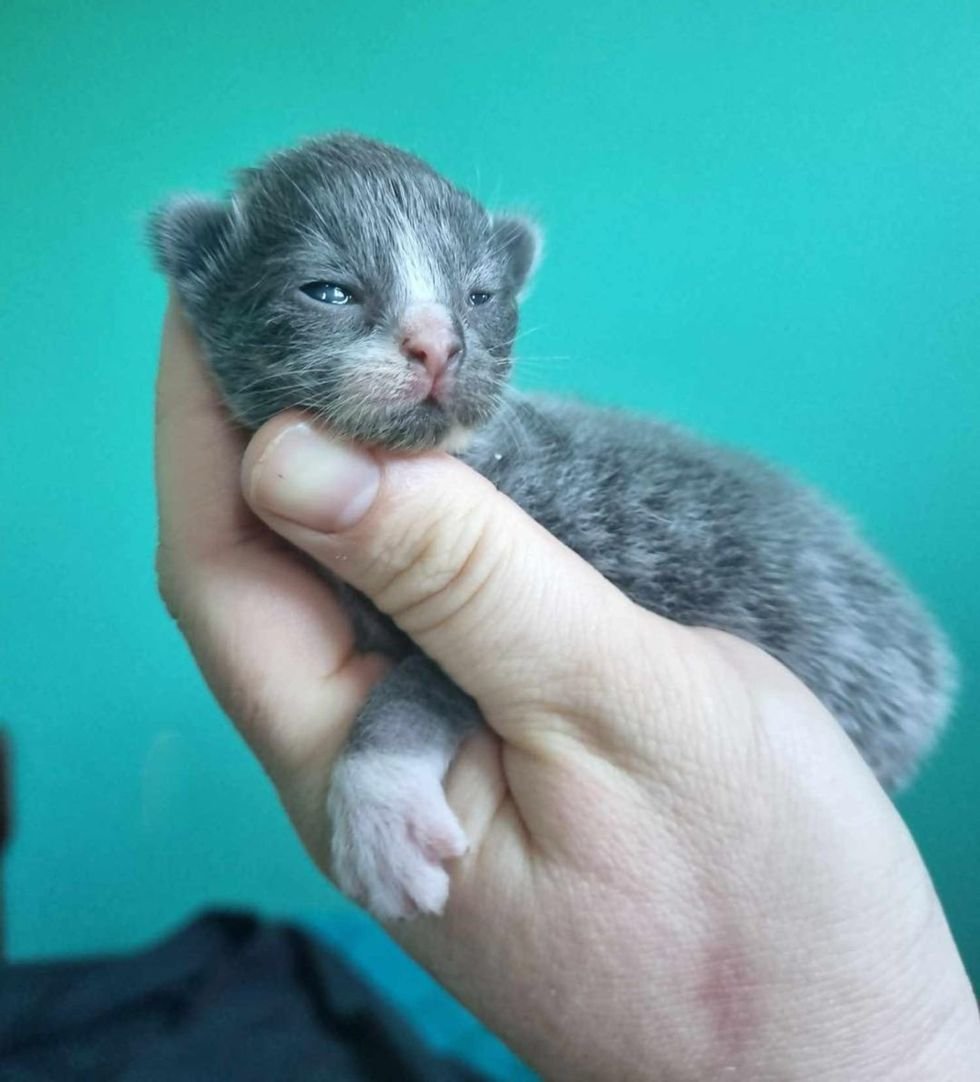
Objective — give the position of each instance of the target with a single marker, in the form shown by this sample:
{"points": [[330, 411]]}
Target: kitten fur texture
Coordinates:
{"points": [[348, 278]]}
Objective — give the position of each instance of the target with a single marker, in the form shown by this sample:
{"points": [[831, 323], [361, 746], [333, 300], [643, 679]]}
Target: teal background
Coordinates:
{"points": [[763, 222]]}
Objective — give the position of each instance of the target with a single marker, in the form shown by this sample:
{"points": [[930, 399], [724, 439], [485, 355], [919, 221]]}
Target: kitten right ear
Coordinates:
{"points": [[188, 233], [520, 239]]}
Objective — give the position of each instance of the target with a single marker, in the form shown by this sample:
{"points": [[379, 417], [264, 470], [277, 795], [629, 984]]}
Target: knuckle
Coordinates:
{"points": [[446, 566]]}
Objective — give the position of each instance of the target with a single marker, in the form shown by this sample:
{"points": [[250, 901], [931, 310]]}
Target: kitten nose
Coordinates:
{"points": [[435, 347]]}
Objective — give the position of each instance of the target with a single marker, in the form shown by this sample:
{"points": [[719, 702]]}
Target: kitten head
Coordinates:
{"points": [[346, 277]]}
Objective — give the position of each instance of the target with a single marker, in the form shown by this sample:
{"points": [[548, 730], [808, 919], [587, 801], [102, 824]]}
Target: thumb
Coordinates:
{"points": [[513, 616]]}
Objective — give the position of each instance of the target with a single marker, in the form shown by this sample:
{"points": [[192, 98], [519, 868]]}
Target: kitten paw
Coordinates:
{"points": [[391, 831]]}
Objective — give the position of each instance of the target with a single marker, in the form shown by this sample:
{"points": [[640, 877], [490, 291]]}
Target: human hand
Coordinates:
{"points": [[679, 866]]}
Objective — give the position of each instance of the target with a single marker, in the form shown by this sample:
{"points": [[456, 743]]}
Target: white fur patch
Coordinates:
{"points": [[419, 279], [457, 439], [391, 831]]}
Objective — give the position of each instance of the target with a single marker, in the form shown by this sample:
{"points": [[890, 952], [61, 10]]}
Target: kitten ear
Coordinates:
{"points": [[188, 233], [521, 241]]}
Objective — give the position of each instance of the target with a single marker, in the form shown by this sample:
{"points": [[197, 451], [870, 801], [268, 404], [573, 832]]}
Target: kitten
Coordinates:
{"points": [[348, 278]]}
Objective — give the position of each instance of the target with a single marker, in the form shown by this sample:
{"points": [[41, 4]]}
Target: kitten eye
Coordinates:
{"points": [[327, 292], [478, 297]]}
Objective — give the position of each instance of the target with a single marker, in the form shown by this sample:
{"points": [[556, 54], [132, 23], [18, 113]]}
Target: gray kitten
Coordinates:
{"points": [[348, 278]]}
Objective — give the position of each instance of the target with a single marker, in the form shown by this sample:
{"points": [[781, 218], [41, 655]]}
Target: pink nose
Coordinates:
{"points": [[435, 347]]}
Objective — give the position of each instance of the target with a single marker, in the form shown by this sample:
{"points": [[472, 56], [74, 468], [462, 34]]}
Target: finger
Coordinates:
{"points": [[512, 615], [198, 449], [267, 631]]}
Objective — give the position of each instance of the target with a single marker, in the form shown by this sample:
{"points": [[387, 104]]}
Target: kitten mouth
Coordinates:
{"points": [[411, 411], [437, 396], [435, 390]]}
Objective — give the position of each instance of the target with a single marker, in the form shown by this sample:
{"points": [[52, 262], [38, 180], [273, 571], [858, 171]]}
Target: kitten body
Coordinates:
{"points": [[407, 343]]}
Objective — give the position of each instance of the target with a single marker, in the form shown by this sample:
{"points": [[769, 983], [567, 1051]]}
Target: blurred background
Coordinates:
{"points": [[762, 222]]}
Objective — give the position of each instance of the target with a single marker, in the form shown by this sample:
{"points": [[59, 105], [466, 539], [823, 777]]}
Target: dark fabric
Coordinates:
{"points": [[229, 998]]}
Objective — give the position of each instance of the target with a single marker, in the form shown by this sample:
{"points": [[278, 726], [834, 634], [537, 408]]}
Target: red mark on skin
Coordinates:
{"points": [[726, 993]]}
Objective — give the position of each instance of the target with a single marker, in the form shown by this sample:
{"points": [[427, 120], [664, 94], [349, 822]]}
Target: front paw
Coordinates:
{"points": [[391, 831]]}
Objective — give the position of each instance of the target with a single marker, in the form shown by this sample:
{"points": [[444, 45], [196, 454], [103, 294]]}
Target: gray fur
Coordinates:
{"points": [[711, 537], [701, 534]]}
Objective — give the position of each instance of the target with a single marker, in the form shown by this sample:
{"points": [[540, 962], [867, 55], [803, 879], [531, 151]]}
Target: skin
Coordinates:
{"points": [[679, 867]]}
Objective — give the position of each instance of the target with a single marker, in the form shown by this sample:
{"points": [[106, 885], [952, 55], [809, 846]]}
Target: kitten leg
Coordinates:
{"points": [[391, 828]]}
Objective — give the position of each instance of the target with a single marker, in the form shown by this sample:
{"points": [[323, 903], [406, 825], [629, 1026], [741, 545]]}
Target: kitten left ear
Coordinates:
{"points": [[188, 233], [521, 240]]}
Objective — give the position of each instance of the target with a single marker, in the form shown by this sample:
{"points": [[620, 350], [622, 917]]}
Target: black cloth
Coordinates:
{"points": [[228, 998]]}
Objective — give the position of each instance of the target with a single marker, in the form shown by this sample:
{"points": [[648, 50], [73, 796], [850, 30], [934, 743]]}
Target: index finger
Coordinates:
{"points": [[197, 450]]}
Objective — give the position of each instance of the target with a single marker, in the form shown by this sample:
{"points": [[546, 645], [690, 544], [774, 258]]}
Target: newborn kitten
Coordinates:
{"points": [[348, 278]]}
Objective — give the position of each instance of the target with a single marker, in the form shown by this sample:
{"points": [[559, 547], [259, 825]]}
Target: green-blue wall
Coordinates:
{"points": [[763, 222]]}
